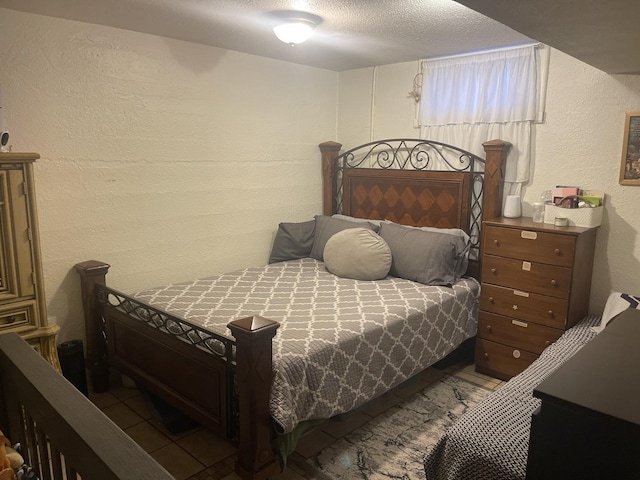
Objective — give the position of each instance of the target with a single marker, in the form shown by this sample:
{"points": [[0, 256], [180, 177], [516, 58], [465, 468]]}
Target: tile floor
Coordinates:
{"points": [[199, 455]]}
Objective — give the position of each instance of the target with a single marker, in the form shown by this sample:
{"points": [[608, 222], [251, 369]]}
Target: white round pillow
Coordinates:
{"points": [[357, 253]]}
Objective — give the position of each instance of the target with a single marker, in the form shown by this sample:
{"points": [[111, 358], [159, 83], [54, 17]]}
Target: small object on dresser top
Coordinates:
{"points": [[538, 212], [560, 193], [588, 217], [512, 206], [561, 222], [4, 140], [546, 197]]}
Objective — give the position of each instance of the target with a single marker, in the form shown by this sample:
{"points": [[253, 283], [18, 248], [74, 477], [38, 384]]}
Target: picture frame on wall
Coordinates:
{"points": [[630, 164]]}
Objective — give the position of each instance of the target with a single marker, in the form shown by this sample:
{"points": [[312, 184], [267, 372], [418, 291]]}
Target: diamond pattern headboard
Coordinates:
{"points": [[416, 182], [433, 199]]}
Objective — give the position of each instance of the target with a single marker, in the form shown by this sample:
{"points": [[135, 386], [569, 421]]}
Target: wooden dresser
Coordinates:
{"points": [[536, 280], [22, 300]]}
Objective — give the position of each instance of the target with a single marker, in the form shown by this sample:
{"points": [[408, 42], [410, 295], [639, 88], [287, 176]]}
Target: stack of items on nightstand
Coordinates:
{"points": [[571, 206]]}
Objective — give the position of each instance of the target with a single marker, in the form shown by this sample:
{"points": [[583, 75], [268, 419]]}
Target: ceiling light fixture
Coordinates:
{"points": [[295, 27]]}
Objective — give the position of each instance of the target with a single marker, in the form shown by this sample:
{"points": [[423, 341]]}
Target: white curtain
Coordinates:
{"points": [[467, 100]]}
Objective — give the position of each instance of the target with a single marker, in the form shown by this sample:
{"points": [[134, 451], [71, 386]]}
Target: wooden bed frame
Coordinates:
{"points": [[62, 434], [390, 179]]}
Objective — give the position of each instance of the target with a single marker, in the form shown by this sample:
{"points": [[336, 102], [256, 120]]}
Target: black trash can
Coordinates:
{"points": [[71, 356]]}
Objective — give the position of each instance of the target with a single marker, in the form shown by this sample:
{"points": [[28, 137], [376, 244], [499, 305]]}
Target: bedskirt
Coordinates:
{"points": [[491, 440]]}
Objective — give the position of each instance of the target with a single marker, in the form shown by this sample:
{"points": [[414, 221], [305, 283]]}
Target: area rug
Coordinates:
{"points": [[394, 444]]}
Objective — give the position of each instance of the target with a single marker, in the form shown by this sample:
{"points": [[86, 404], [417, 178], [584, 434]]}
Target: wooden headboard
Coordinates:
{"points": [[416, 182]]}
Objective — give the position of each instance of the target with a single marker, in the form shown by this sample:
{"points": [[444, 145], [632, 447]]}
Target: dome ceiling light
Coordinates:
{"points": [[295, 27]]}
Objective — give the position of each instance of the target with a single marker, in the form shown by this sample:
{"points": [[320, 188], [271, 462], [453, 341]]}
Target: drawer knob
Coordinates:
{"points": [[486, 356], [496, 242], [11, 319], [557, 251], [550, 313], [493, 270], [554, 283], [488, 328], [491, 300]]}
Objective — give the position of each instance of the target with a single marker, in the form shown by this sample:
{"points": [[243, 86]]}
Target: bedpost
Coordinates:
{"points": [[93, 273], [495, 160], [254, 376], [330, 151]]}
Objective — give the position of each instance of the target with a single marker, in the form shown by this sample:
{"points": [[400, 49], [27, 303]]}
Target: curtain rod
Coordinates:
{"points": [[534, 45]]}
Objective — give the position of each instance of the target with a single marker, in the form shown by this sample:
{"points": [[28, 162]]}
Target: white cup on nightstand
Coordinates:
{"points": [[512, 207]]}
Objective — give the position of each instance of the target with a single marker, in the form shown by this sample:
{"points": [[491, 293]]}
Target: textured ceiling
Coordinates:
{"points": [[362, 33], [353, 34], [602, 33]]}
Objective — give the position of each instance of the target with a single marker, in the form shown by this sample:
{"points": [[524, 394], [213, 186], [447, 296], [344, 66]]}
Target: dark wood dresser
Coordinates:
{"points": [[588, 425], [536, 280]]}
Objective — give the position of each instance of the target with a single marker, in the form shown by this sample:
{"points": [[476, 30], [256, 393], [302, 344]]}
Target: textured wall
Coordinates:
{"points": [[580, 143], [166, 159], [171, 160], [373, 103]]}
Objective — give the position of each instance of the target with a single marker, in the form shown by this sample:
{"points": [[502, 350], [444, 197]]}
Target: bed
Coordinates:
{"points": [[491, 440], [233, 347]]}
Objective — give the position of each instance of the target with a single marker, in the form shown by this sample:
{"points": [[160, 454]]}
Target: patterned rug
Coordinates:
{"points": [[393, 444]]}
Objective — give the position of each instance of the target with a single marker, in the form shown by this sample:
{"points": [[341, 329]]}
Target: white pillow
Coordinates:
{"points": [[357, 253], [616, 303]]}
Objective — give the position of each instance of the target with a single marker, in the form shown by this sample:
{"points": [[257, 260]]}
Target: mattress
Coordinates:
{"points": [[341, 342], [491, 440]]}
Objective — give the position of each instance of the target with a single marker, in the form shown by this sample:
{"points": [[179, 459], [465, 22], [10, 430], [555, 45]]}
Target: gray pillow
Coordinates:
{"points": [[326, 227], [423, 256], [358, 220], [293, 241], [462, 261], [357, 253]]}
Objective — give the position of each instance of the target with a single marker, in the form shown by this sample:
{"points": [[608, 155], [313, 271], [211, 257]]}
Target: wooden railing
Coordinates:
{"points": [[62, 434]]}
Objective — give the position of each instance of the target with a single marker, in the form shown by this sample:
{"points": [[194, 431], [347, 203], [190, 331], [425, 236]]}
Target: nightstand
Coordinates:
{"points": [[536, 281]]}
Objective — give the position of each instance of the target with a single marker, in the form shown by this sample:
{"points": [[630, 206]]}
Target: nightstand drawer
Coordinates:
{"points": [[517, 333], [542, 309], [543, 247], [538, 277], [501, 361]]}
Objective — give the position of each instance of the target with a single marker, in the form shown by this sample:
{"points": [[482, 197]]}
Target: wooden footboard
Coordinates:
{"points": [[222, 383], [62, 434]]}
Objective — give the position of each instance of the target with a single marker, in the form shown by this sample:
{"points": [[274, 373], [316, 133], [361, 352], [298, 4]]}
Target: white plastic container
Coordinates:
{"points": [[512, 207], [577, 217]]}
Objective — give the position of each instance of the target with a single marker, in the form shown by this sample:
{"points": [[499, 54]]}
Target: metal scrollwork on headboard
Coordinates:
{"points": [[418, 155], [408, 154]]}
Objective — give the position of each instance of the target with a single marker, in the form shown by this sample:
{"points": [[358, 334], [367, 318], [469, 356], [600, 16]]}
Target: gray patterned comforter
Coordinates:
{"points": [[491, 440], [341, 342]]}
